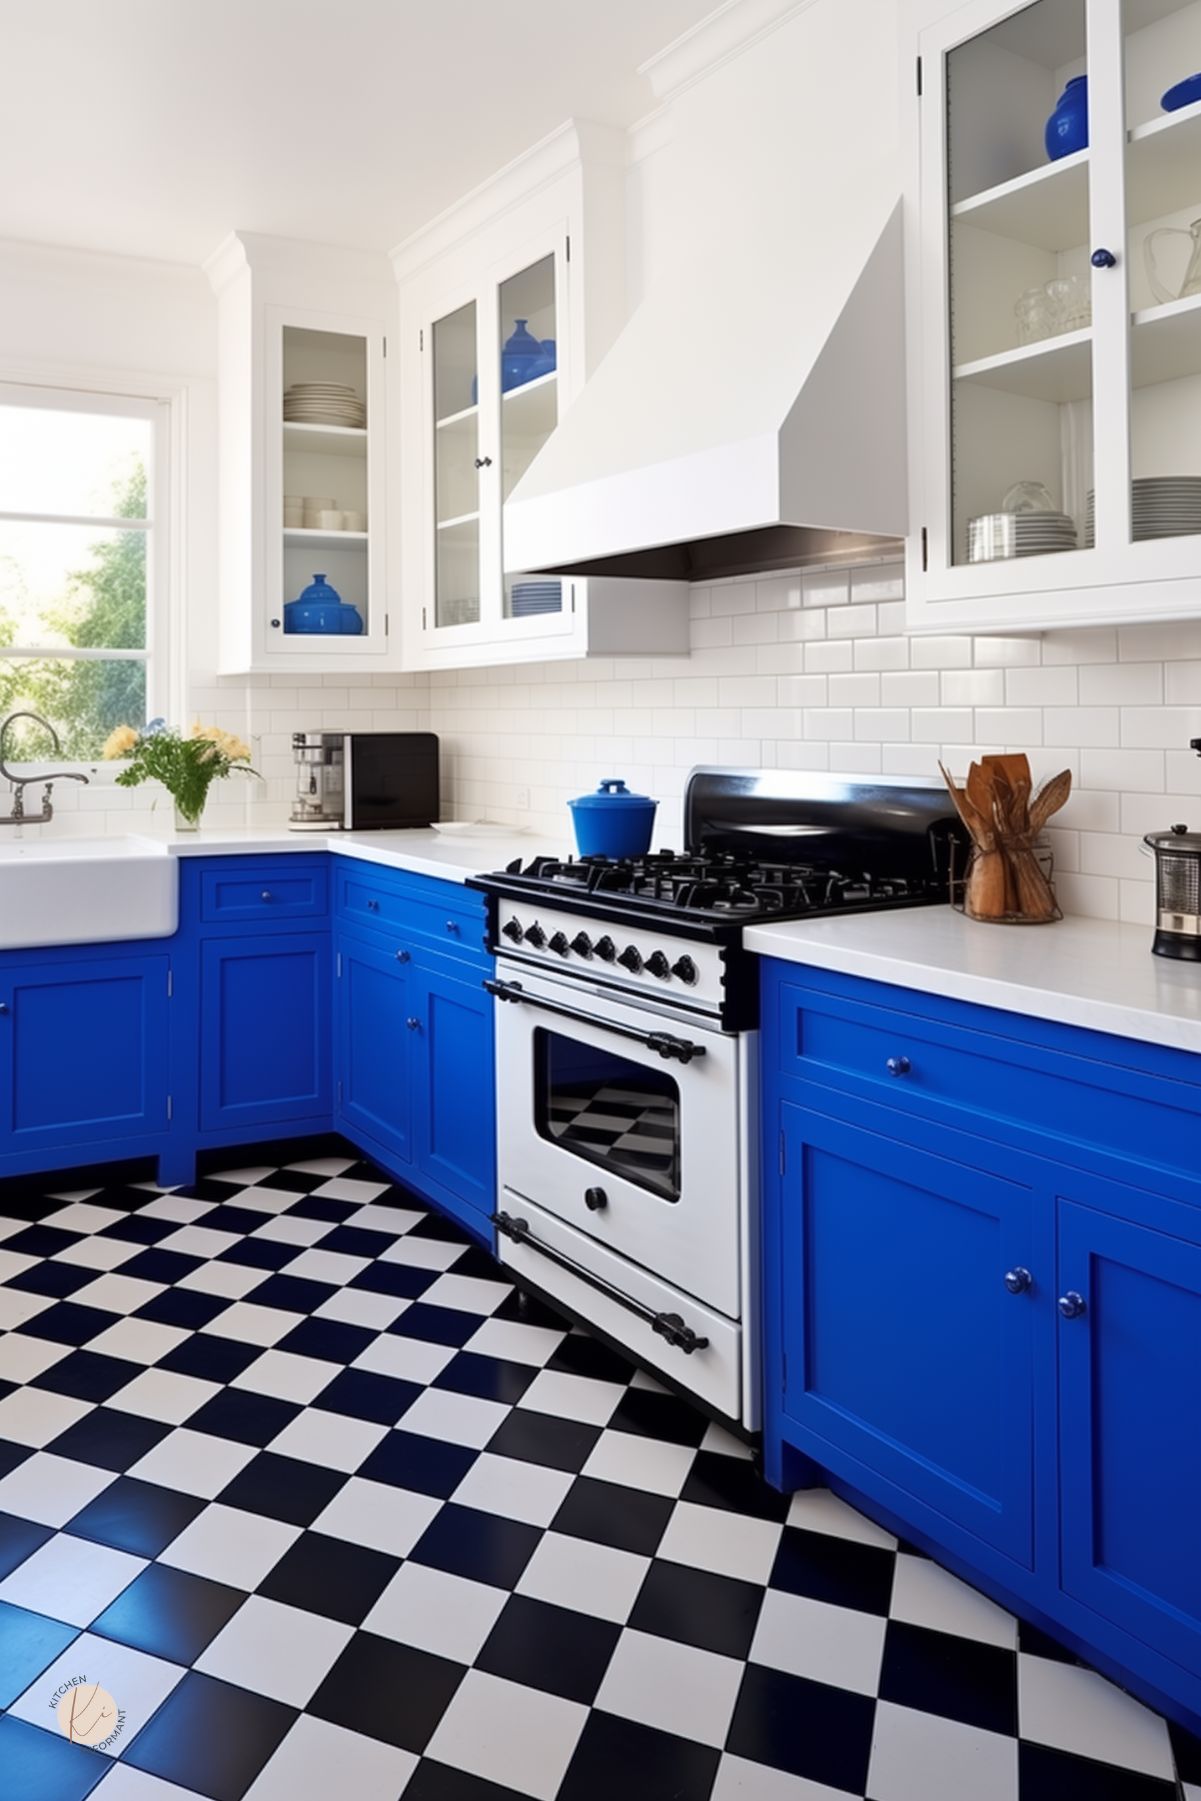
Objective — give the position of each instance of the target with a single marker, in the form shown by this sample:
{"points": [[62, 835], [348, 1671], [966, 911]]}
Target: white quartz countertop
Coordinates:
{"points": [[1082, 972], [421, 851]]}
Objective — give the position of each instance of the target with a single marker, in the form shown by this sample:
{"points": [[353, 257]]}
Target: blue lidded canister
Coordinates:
{"points": [[613, 822]]}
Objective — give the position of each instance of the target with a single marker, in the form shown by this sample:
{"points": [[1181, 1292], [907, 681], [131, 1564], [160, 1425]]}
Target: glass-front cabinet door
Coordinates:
{"points": [[1058, 291], [493, 377]]}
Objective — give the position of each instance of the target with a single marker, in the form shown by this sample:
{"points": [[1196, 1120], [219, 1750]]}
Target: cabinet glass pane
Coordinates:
{"points": [[1020, 287], [325, 439], [1162, 49], [529, 407], [456, 471]]}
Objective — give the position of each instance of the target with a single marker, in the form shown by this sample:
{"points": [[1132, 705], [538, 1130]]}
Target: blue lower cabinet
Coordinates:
{"points": [[83, 1057], [454, 1089], [265, 1032], [373, 1044], [902, 1345], [1130, 1426]]}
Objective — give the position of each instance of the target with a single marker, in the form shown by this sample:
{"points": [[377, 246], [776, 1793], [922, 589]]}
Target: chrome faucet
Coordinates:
{"points": [[19, 816]]}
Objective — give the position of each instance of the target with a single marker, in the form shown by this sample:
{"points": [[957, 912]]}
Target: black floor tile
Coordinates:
{"points": [[134, 1516], [295, 1294], [29, 1643], [87, 1376], [435, 1325], [811, 1730], [532, 1437], [259, 1253], [161, 1266], [328, 1339], [612, 1515], [1048, 1775], [137, 1229], [697, 1607], [404, 1281], [211, 1358], [365, 1396], [42, 1241], [169, 1613], [1040, 1644], [1186, 1748], [210, 1737], [481, 1546], [110, 1439], [11, 1455], [489, 1378], [69, 1323], [19, 1539], [316, 1206], [432, 1781], [529, 1310], [580, 1355], [419, 1688], [834, 1569], [550, 1648], [58, 1279], [426, 1465], [734, 1483], [619, 1758], [229, 1217], [283, 1488], [330, 1576], [183, 1307], [43, 1766], [659, 1416], [356, 1241], [959, 1678], [249, 1418]]}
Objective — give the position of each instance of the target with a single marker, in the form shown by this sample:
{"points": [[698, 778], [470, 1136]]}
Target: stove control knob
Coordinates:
{"points": [[581, 944], [514, 930], [605, 949], [559, 944], [657, 965], [685, 969], [631, 959], [535, 935], [596, 1200]]}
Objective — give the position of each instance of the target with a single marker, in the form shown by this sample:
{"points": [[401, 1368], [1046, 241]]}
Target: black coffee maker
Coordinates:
{"points": [[1177, 889]]}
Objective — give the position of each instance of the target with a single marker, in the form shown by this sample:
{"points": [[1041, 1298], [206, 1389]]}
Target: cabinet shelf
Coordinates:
{"points": [[532, 411], [301, 537], [328, 440], [459, 418], [460, 519], [1048, 207], [1163, 172], [1165, 342], [1054, 369]]}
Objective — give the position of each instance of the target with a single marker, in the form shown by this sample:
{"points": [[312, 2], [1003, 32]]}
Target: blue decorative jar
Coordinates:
{"points": [[320, 610], [1183, 94], [520, 358], [1067, 128], [613, 822]]}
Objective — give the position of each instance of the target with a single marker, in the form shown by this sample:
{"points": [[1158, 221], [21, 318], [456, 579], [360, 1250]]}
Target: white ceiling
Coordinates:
{"points": [[153, 127]]}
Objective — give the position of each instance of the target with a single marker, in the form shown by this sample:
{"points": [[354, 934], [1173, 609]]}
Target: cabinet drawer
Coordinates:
{"points": [[282, 888], [1005, 1082], [454, 923]]}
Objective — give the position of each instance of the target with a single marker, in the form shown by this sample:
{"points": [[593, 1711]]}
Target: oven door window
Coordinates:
{"points": [[608, 1110]]}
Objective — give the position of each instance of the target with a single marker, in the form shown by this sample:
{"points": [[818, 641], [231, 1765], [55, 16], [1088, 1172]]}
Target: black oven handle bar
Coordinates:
{"points": [[681, 1050], [667, 1325]]}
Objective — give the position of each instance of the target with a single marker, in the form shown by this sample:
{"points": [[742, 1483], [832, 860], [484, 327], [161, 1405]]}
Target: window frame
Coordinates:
{"points": [[163, 404]]}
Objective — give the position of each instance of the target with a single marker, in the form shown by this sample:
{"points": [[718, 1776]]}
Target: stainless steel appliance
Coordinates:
{"points": [[626, 1052], [1177, 893], [364, 781]]}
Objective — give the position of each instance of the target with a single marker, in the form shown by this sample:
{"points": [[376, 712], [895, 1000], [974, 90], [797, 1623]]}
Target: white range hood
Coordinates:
{"points": [[744, 422]]}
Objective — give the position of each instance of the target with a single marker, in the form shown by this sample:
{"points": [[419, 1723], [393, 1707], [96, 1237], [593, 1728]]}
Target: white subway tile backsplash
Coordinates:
{"points": [[1121, 769], [881, 653], [1042, 687], [972, 687], [1182, 684], [831, 656], [854, 690], [913, 688], [1080, 725], [826, 588], [940, 653], [1123, 684], [1161, 728]]}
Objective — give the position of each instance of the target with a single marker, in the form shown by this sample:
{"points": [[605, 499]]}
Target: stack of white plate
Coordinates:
{"points": [[993, 536], [1161, 506], [529, 598], [324, 403], [463, 610]]}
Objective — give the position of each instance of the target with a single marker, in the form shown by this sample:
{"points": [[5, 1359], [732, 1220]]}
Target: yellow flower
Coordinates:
{"points": [[120, 741], [227, 743]]}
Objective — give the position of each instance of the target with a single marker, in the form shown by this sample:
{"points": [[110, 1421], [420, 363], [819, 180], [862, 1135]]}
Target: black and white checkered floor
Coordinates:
{"points": [[329, 1510]]}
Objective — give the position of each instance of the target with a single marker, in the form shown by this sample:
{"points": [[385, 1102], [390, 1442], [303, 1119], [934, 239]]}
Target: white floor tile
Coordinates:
{"points": [[16, 1308], [275, 1650], [817, 1510], [467, 1294], [514, 1489], [346, 1188], [177, 1207], [463, 1419], [262, 1198], [137, 1683], [118, 1294], [593, 1579], [639, 1462], [318, 1760], [33, 1416], [244, 1178], [124, 1783], [233, 1281], [422, 1253], [199, 1241], [709, 1538], [322, 1166], [333, 1440], [927, 1595], [516, 1343], [718, 1439], [164, 1395], [837, 1645], [517, 1737], [287, 1228], [358, 1307], [412, 1359], [10, 1227], [395, 1220], [194, 1462], [251, 1324], [140, 1340], [230, 1546], [1075, 1709], [22, 1358], [740, 1780], [573, 1397], [98, 1253], [375, 1514], [70, 1579], [51, 1489], [437, 1612], [287, 1376], [82, 1216], [674, 1687], [923, 1757], [15, 1263], [328, 1266]]}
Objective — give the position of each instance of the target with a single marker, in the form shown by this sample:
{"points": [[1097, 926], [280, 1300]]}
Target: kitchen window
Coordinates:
{"points": [[82, 564]]}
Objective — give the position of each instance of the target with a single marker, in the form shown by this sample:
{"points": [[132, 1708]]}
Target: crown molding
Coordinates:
{"points": [[722, 35]]}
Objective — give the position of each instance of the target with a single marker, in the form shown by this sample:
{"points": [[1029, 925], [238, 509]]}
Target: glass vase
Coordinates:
{"points": [[186, 821]]}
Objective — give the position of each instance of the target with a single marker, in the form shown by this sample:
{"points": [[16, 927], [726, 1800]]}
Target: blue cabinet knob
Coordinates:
{"points": [[3, 1006], [1071, 1304], [373, 906], [452, 925], [1103, 259], [265, 895], [402, 956], [898, 1066], [414, 1025], [1018, 1280]]}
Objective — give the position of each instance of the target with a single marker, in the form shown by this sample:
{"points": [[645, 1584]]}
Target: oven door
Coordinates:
{"points": [[624, 1125]]}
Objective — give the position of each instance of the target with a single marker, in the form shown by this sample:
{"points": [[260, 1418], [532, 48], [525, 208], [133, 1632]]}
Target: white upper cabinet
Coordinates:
{"points": [[507, 303], [303, 431], [1054, 321]]}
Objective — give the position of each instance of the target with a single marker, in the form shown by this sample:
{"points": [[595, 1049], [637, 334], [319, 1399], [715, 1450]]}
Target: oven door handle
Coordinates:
{"points": [[667, 1325], [679, 1050]]}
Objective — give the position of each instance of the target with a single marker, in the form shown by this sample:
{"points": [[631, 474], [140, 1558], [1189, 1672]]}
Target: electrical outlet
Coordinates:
{"points": [[522, 800]]}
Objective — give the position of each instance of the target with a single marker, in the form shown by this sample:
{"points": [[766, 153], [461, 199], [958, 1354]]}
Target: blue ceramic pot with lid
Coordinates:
{"points": [[320, 610], [1067, 128], [613, 822]]}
